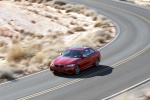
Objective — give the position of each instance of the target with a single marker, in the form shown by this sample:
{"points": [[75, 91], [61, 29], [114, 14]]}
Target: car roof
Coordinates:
{"points": [[80, 48]]}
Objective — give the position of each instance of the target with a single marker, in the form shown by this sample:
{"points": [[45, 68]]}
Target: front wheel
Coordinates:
{"points": [[96, 63], [77, 70]]}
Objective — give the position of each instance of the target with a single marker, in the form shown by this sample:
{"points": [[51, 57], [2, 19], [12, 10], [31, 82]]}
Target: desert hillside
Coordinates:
{"points": [[32, 34]]}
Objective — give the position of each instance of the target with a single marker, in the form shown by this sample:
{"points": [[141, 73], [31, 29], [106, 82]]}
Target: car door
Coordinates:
{"points": [[92, 56], [85, 63]]}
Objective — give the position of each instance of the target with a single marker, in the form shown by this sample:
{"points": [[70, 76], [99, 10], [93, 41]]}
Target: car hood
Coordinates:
{"points": [[65, 60]]}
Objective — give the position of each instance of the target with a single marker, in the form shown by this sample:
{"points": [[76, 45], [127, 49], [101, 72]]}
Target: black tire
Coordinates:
{"points": [[96, 64], [77, 70]]}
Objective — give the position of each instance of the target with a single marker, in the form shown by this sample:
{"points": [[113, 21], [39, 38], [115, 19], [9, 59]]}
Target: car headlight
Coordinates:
{"points": [[70, 65]]}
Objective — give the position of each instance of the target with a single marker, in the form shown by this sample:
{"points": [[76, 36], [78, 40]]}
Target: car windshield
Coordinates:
{"points": [[72, 54]]}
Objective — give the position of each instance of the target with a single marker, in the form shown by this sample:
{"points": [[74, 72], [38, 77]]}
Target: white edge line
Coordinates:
{"points": [[117, 34], [127, 89]]}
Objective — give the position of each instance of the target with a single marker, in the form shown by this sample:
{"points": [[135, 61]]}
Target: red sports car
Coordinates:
{"points": [[75, 59]]}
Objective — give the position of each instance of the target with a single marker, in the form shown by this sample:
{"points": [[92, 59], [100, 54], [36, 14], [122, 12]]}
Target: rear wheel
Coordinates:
{"points": [[77, 70], [96, 63]]}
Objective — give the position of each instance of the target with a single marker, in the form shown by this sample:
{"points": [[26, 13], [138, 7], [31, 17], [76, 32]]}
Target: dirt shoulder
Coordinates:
{"points": [[142, 92], [32, 34], [140, 2]]}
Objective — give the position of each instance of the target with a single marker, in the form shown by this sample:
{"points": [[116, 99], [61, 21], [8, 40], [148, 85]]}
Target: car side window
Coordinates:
{"points": [[86, 52], [91, 51]]}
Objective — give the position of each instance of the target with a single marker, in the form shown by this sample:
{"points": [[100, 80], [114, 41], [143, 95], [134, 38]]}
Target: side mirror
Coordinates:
{"points": [[60, 54]]}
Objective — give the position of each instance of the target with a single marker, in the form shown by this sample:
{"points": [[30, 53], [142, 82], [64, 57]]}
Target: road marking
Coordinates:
{"points": [[62, 85], [143, 18], [127, 89], [131, 57], [113, 66]]}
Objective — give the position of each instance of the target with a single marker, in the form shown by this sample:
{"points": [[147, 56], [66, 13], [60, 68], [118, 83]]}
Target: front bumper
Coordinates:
{"points": [[67, 70]]}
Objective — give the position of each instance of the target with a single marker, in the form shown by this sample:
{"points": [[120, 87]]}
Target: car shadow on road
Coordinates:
{"points": [[101, 70]]}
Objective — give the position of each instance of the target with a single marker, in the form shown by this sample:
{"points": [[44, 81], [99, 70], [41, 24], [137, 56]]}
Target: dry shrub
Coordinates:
{"points": [[47, 62], [100, 32], [24, 62], [74, 17], [33, 21], [17, 0], [56, 34], [59, 2], [48, 16], [72, 23], [57, 6], [2, 43], [32, 69], [98, 23], [38, 58], [15, 53], [147, 95], [90, 13], [4, 49], [78, 29], [7, 72], [75, 8], [100, 39], [31, 1], [83, 40], [32, 48], [94, 18], [70, 31], [39, 36], [39, 1], [54, 17]]}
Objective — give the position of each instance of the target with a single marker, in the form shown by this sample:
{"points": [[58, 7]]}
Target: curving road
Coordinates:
{"points": [[125, 62]]}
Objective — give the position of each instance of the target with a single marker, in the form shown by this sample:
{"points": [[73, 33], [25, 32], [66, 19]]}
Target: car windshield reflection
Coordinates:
{"points": [[72, 54]]}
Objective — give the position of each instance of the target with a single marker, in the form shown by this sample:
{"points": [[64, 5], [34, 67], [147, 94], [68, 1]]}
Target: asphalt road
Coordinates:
{"points": [[111, 76]]}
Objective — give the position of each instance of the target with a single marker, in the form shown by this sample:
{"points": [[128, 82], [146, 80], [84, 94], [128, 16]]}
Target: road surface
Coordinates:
{"points": [[125, 62]]}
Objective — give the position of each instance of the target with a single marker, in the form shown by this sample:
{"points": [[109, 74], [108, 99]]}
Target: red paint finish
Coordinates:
{"points": [[83, 57]]}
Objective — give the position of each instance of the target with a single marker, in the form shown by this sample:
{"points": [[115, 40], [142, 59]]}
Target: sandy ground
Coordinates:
{"points": [[33, 34], [141, 2], [140, 93]]}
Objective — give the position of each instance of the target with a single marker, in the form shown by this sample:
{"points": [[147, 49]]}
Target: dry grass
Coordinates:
{"points": [[90, 13], [147, 95], [98, 24], [15, 53], [2, 43], [71, 31], [33, 50], [7, 72], [78, 28], [33, 21], [56, 34], [38, 58], [59, 2], [75, 8]]}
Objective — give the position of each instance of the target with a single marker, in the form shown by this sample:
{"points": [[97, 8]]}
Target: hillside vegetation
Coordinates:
{"points": [[34, 32]]}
